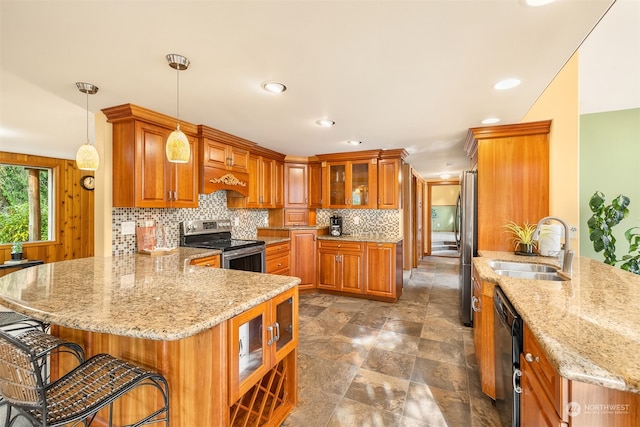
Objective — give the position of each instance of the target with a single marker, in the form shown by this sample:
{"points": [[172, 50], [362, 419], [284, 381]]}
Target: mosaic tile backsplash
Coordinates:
{"points": [[214, 206]]}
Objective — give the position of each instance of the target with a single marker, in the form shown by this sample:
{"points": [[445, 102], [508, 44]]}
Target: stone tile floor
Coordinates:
{"points": [[366, 363]]}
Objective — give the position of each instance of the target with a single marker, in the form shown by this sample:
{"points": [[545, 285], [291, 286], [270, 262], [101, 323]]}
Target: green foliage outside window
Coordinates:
{"points": [[14, 203]]}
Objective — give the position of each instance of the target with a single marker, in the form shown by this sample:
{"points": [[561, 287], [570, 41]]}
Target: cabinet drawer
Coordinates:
{"points": [[341, 245], [555, 387], [277, 249], [210, 261], [278, 264], [296, 216]]}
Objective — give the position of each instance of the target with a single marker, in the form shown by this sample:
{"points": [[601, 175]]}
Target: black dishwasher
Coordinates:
{"points": [[508, 346]]}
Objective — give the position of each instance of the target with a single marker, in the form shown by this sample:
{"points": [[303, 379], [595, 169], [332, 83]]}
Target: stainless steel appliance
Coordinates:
{"points": [[237, 254], [508, 331], [468, 246], [335, 228]]}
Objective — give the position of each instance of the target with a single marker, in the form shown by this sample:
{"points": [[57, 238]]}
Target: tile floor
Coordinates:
{"points": [[366, 363]]}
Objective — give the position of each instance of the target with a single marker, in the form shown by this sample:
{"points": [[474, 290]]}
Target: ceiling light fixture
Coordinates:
{"points": [[177, 147], [325, 123], [490, 121], [445, 176], [536, 3], [507, 84], [274, 87], [354, 142], [87, 156]]}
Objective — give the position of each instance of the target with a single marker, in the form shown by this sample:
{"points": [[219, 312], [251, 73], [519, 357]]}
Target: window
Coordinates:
{"points": [[26, 203]]}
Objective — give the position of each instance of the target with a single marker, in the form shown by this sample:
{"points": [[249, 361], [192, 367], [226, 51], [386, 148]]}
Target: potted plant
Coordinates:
{"points": [[16, 251], [522, 237]]}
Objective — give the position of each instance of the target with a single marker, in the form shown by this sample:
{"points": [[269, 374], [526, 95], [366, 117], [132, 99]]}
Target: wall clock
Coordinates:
{"points": [[88, 182]]}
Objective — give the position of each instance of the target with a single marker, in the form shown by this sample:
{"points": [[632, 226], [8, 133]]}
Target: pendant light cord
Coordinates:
{"points": [[87, 117], [178, 96]]}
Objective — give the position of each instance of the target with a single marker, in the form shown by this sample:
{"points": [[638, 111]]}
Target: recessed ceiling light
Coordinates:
{"points": [[274, 87], [325, 123], [506, 84], [445, 176], [490, 121], [354, 142], [535, 3]]}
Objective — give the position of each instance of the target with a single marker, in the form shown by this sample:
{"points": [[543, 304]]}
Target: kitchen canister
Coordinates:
{"points": [[549, 239]]}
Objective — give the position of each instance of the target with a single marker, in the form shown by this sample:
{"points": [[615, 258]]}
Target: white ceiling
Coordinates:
{"points": [[410, 74]]}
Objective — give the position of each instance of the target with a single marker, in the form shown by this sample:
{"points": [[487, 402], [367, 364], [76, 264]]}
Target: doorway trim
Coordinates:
{"points": [[427, 212]]}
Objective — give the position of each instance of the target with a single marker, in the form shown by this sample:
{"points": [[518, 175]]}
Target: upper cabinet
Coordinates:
{"points": [[513, 178], [315, 184], [224, 162], [390, 178], [264, 190], [296, 185], [142, 175]]}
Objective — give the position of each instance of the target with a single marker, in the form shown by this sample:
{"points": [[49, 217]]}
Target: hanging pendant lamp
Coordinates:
{"points": [[177, 147], [87, 156]]}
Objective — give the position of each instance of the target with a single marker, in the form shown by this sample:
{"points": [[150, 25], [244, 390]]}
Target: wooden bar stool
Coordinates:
{"points": [[76, 396]]}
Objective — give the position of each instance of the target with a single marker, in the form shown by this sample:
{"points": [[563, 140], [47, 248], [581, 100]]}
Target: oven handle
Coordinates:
{"points": [[252, 250]]}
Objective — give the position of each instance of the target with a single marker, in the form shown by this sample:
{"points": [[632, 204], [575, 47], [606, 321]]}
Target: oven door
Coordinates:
{"points": [[247, 259]]}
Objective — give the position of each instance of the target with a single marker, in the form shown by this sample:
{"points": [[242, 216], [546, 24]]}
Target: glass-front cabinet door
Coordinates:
{"points": [[248, 359], [285, 308], [338, 184], [352, 184], [359, 185]]}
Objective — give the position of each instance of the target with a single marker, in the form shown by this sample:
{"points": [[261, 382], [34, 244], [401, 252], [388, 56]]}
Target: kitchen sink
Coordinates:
{"points": [[535, 275], [521, 266]]}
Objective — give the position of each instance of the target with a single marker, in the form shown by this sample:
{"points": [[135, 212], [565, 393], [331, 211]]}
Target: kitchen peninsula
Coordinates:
{"points": [[181, 320], [580, 365]]}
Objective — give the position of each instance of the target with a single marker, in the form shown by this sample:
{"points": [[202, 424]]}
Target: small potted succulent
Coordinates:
{"points": [[16, 251], [522, 237]]}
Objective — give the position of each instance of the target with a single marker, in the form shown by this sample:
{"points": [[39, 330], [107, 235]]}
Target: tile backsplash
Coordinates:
{"points": [[214, 206]]}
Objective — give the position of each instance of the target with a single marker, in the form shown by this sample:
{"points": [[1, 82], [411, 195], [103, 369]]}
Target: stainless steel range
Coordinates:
{"points": [[237, 254]]}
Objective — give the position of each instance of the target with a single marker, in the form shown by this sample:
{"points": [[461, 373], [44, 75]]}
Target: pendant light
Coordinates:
{"points": [[177, 147], [87, 156]]}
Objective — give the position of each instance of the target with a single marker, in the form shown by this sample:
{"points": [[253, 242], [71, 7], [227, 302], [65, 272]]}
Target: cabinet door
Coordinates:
{"points": [[535, 407], [215, 154], [328, 269], [266, 184], [184, 181], [314, 187], [362, 184], [150, 181], [352, 271], [285, 322], [239, 159], [476, 301], [296, 185], [249, 354], [388, 184], [337, 185], [380, 277], [253, 199], [303, 257], [278, 185]]}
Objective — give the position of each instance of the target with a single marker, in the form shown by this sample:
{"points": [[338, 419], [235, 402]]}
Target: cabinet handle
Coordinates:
{"points": [[306, 200], [279, 264], [207, 265], [379, 201], [270, 331], [530, 358], [240, 349], [516, 387], [474, 307], [277, 338]]}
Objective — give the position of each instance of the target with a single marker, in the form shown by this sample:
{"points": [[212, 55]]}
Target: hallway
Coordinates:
{"points": [[367, 363]]}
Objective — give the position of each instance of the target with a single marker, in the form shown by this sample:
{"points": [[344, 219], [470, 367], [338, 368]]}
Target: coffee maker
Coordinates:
{"points": [[335, 229]]}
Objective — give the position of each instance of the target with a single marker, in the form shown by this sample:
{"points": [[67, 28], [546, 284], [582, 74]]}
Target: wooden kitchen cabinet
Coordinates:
{"points": [[278, 184], [483, 333], [351, 184], [513, 178], [296, 181], [277, 258], [341, 266], [315, 185], [390, 178], [303, 257], [383, 270], [224, 156], [259, 338], [261, 182], [210, 261], [142, 175]]}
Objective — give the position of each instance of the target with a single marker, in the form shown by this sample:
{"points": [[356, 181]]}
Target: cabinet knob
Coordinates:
{"points": [[207, 265], [279, 264], [531, 358]]}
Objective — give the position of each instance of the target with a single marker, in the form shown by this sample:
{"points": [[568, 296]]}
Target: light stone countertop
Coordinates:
{"points": [[365, 238], [589, 326], [273, 240], [153, 297]]}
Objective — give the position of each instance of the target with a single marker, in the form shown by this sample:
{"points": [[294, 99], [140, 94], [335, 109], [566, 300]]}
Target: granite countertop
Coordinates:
{"points": [[294, 227], [273, 240], [588, 326], [153, 297], [365, 238]]}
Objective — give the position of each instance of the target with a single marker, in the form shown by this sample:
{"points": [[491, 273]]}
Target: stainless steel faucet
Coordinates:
{"points": [[567, 263]]}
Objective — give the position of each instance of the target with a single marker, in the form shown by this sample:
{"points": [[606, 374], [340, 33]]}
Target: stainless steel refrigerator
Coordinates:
{"points": [[468, 208]]}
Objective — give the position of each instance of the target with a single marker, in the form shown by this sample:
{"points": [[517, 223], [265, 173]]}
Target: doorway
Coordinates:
{"points": [[440, 217]]}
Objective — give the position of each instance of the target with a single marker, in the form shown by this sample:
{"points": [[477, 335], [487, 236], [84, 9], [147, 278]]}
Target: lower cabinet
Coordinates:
{"points": [[341, 266], [483, 330], [303, 257], [262, 359], [383, 270], [277, 258]]}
